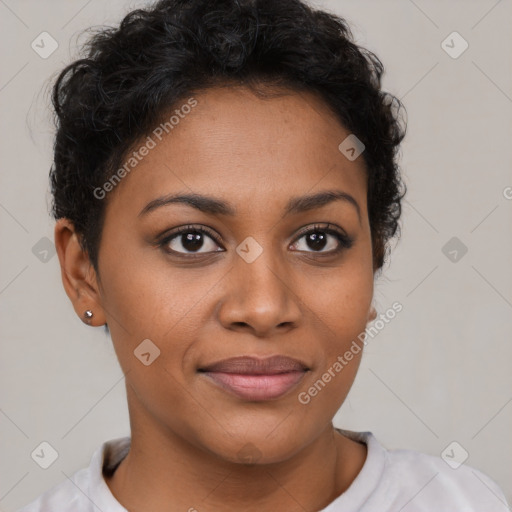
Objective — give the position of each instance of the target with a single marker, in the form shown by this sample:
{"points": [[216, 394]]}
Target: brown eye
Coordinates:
{"points": [[323, 240], [190, 240]]}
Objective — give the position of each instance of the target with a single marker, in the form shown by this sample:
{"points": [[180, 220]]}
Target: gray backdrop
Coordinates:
{"points": [[438, 373]]}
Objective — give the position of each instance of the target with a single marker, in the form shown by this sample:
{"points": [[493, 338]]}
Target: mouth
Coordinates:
{"points": [[255, 379]]}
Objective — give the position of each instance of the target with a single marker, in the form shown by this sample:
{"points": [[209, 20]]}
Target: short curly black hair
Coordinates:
{"points": [[132, 74]]}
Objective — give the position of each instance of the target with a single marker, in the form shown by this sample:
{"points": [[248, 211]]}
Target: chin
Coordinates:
{"points": [[255, 445]]}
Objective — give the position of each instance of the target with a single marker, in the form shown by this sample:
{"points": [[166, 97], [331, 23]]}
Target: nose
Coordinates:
{"points": [[260, 298]]}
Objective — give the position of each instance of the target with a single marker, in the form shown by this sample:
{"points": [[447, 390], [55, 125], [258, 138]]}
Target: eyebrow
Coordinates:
{"points": [[214, 206]]}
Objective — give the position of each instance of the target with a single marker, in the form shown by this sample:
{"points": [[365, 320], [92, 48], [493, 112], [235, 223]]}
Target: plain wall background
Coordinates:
{"points": [[439, 372]]}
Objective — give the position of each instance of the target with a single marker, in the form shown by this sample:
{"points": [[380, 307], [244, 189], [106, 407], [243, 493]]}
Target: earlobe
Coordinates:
{"points": [[372, 315], [78, 274]]}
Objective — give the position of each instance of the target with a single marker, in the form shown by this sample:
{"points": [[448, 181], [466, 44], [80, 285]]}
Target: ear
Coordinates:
{"points": [[78, 274], [372, 314]]}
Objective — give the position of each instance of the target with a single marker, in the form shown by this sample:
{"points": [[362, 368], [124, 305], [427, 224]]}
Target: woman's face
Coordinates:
{"points": [[255, 284]]}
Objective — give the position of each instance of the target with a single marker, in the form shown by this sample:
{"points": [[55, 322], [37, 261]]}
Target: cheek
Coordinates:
{"points": [[339, 311], [144, 299], [146, 296], [340, 300], [343, 310], [148, 303], [339, 303]]}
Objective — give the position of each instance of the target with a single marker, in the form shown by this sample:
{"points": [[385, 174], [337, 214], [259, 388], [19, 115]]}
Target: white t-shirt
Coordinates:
{"points": [[389, 481]]}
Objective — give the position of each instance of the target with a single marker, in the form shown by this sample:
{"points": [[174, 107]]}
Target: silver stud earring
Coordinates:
{"points": [[88, 315]]}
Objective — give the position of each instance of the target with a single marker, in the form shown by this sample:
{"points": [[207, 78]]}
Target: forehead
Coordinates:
{"points": [[250, 150]]}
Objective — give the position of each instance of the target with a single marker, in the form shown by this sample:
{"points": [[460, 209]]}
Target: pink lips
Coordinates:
{"points": [[256, 379]]}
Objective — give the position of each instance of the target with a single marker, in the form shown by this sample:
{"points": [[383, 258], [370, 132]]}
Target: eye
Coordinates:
{"points": [[190, 240], [196, 240], [319, 237]]}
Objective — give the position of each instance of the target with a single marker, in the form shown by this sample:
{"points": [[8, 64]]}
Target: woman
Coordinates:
{"points": [[225, 188]]}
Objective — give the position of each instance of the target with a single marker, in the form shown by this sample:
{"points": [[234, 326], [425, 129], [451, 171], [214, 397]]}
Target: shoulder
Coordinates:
{"points": [[412, 481], [415, 479], [85, 490], [64, 497]]}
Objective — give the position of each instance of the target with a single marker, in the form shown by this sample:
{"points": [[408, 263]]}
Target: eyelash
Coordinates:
{"points": [[345, 241]]}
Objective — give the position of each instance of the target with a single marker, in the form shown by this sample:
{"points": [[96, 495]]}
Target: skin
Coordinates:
{"points": [[293, 300]]}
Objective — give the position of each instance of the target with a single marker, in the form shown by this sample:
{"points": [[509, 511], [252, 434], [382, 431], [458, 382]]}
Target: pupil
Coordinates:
{"points": [[192, 242], [317, 239]]}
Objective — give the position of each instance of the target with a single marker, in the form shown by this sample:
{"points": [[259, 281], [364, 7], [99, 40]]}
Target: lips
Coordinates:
{"points": [[255, 379]]}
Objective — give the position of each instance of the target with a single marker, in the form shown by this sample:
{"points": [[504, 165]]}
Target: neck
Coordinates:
{"points": [[164, 472]]}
